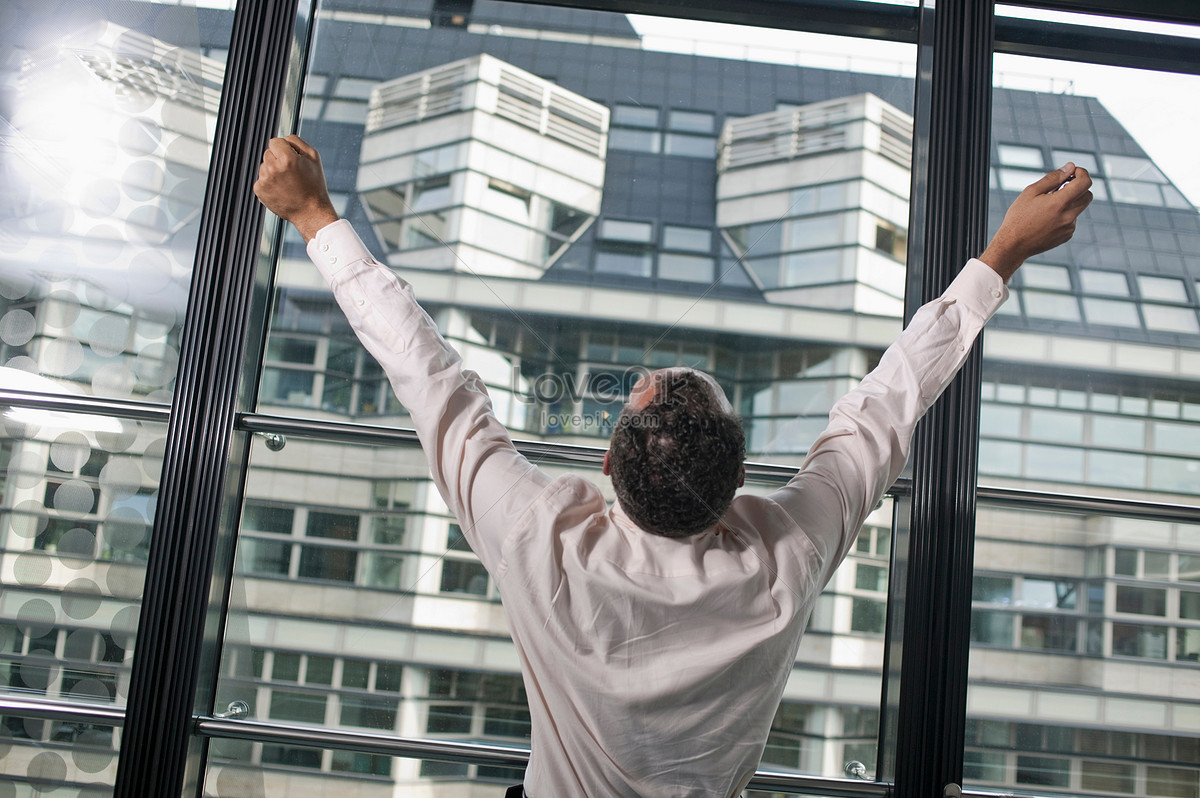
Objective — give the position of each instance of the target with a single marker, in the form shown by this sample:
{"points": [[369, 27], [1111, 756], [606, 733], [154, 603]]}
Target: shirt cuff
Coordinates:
{"points": [[979, 288], [336, 246]]}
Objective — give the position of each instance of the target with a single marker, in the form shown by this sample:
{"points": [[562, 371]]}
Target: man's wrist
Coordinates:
{"points": [[1002, 260], [311, 223]]}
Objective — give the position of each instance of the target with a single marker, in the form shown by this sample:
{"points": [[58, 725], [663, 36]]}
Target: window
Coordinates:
{"points": [[1141, 600], [1135, 193], [1107, 311], [689, 239], [1162, 289], [433, 192], [615, 230], [298, 707], [992, 589], [353, 88], [1107, 283], [368, 712], [867, 615], [1019, 155], [1048, 594], [1016, 179], [635, 140], [870, 577], [1170, 319], [690, 121], [329, 562], [1131, 640], [291, 756], [1055, 278], [464, 576], [1059, 307], [690, 146], [1128, 167], [689, 268], [1043, 771], [635, 116], [891, 240], [1055, 425], [992, 628], [1049, 633], [286, 667], [632, 263], [1085, 159]]}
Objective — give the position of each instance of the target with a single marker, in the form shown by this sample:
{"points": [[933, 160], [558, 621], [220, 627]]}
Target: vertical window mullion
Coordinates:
{"points": [[929, 612], [189, 535]]}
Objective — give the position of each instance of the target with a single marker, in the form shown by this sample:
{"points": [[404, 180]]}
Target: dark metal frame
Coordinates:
{"points": [[930, 591], [165, 730], [158, 742]]}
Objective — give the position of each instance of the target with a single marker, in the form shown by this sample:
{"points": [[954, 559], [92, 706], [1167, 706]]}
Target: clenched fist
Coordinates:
{"points": [[291, 183], [1041, 218]]}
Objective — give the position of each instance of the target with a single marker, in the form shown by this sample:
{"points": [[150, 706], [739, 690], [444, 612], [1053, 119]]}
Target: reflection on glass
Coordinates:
{"points": [[391, 624], [1081, 623], [513, 160], [79, 500], [45, 757], [1055, 670], [108, 132], [567, 224], [79, 494]]}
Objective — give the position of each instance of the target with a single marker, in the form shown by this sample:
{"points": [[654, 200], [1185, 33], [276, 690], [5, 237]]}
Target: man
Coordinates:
{"points": [[656, 635]]}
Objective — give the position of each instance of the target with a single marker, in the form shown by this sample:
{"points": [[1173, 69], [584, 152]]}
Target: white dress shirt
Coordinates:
{"points": [[653, 665]]}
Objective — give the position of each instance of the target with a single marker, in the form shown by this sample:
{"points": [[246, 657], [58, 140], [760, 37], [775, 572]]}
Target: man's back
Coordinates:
{"points": [[653, 665]]}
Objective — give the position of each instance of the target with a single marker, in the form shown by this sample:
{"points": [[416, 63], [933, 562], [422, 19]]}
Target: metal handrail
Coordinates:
{"points": [[552, 453], [91, 405], [442, 750], [52, 709], [482, 753]]}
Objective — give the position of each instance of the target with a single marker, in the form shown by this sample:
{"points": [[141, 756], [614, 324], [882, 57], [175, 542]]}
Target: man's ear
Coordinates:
{"points": [[741, 476], [605, 468]]}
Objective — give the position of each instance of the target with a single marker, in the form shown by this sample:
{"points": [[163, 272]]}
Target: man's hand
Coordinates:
{"points": [[1041, 218], [291, 183]]}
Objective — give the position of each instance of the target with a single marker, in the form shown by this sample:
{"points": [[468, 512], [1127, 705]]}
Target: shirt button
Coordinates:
{"points": [[333, 260], [362, 302], [996, 293], [325, 247]]}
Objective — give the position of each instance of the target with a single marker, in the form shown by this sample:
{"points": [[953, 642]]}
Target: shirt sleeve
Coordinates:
{"points": [[866, 444], [486, 483]]}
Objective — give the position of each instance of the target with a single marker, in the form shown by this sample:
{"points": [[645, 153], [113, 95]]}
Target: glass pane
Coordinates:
{"points": [[109, 111], [79, 497], [1130, 274], [50, 757], [1054, 703], [1035, 691], [586, 220], [593, 222], [422, 653]]}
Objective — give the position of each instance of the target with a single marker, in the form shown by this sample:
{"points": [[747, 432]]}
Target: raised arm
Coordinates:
{"points": [[866, 444], [484, 480]]}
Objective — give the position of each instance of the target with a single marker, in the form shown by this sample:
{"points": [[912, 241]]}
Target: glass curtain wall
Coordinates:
{"points": [[576, 196], [1083, 622], [574, 204], [106, 121]]}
